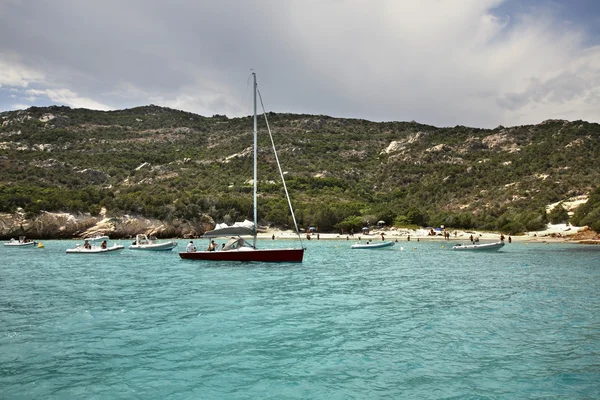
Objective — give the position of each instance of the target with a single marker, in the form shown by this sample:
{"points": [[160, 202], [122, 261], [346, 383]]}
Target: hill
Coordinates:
{"points": [[172, 165]]}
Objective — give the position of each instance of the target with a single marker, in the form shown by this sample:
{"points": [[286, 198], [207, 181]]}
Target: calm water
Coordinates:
{"points": [[424, 323]]}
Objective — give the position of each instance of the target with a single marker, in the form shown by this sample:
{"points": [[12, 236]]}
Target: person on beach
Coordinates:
{"points": [[509, 239]]}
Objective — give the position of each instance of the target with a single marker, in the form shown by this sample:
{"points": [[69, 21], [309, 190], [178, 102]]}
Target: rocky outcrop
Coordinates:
{"points": [[399, 145], [68, 226], [586, 236], [502, 141], [44, 226]]}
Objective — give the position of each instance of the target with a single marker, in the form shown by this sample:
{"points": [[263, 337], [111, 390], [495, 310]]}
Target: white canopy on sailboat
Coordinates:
{"points": [[245, 228]]}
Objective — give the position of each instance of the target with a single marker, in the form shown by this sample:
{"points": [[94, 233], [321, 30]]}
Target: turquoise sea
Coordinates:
{"points": [[421, 322]]}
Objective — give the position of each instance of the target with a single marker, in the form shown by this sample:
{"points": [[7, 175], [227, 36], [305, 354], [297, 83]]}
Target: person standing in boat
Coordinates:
{"points": [[212, 246], [104, 245]]}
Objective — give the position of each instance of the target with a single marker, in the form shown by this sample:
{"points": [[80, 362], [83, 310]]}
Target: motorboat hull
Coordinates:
{"points": [[261, 255], [378, 245], [479, 247], [167, 246], [96, 250], [31, 245]]}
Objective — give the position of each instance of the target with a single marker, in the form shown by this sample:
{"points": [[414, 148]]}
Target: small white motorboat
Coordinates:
{"points": [[479, 246], [372, 245], [142, 242], [99, 238], [96, 245], [22, 242]]}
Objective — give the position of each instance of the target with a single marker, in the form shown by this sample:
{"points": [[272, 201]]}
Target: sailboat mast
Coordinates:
{"points": [[255, 158]]}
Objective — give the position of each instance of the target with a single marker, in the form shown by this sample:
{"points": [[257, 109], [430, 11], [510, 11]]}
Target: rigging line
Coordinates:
{"points": [[287, 195], [243, 99]]}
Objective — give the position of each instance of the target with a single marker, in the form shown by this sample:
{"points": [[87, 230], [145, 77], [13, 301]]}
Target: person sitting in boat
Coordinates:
{"points": [[104, 245], [87, 245], [190, 247]]}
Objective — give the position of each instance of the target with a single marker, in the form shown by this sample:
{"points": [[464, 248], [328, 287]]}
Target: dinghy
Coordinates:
{"points": [[372, 245], [479, 246]]}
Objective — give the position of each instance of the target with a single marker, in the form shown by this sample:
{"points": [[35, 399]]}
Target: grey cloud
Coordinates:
{"points": [[318, 57], [560, 89]]}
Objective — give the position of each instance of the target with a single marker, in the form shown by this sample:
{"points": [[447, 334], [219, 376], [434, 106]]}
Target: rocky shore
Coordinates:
{"points": [[74, 226]]}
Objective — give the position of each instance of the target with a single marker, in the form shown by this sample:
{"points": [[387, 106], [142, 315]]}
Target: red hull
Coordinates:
{"points": [[266, 255]]}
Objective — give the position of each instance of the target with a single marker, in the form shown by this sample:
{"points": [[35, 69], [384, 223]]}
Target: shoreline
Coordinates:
{"points": [[556, 234], [560, 233]]}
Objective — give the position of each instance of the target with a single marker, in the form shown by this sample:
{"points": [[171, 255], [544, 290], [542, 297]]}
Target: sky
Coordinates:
{"points": [[479, 63]]}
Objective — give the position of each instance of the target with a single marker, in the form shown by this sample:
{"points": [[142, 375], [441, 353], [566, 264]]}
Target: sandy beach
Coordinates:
{"points": [[553, 233]]}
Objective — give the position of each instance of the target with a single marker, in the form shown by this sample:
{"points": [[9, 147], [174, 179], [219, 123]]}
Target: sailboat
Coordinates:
{"points": [[238, 248]]}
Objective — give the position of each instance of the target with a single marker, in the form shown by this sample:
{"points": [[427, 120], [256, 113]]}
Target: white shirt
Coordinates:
{"points": [[190, 247]]}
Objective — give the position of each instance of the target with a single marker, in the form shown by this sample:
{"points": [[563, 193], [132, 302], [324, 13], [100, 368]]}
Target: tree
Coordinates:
{"points": [[558, 214]]}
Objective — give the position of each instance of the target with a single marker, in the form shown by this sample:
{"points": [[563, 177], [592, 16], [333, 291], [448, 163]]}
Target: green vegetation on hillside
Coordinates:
{"points": [[589, 213], [341, 173]]}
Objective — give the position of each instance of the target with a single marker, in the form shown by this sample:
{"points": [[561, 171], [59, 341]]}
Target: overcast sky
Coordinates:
{"points": [[479, 63]]}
